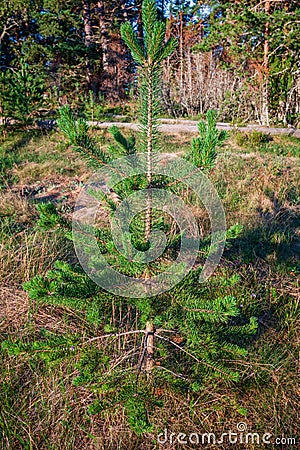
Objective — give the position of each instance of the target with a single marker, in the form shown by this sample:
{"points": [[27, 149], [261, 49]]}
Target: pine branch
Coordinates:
{"points": [[127, 146], [77, 133], [132, 43], [203, 152], [222, 372]]}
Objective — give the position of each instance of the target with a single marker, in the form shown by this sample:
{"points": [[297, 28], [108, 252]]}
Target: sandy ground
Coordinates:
{"points": [[173, 126]]}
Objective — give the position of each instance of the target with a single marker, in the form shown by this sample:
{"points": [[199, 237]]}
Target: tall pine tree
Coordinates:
{"points": [[258, 40]]}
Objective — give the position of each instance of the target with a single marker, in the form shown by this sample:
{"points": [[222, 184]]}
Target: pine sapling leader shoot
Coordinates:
{"points": [[149, 56]]}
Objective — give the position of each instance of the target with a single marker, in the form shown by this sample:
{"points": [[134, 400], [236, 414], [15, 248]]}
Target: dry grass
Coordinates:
{"points": [[40, 406], [12, 204], [14, 308], [27, 255]]}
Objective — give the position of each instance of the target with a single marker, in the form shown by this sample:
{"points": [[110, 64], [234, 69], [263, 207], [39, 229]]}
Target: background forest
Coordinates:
{"points": [[238, 57]]}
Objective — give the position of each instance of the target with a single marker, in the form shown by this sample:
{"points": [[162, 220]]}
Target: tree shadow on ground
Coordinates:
{"points": [[268, 258], [276, 235], [12, 155]]}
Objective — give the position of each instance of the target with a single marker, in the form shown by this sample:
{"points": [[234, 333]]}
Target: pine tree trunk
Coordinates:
{"points": [[149, 153], [139, 20], [103, 35], [149, 326], [181, 53], [265, 78], [87, 26], [149, 361]]}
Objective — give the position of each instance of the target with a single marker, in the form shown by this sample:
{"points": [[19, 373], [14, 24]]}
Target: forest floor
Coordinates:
{"points": [[257, 178]]}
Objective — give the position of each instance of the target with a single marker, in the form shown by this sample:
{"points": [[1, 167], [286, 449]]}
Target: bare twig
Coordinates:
{"points": [[105, 336], [200, 361]]}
